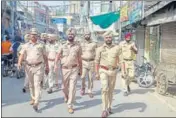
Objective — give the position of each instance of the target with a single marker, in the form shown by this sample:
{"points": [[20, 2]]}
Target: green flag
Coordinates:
{"points": [[105, 20]]}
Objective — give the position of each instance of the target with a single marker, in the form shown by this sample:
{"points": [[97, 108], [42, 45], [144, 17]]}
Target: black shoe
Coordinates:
{"points": [[110, 111], [50, 91], [24, 90], [125, 94], [128, 88], [35, 107]]}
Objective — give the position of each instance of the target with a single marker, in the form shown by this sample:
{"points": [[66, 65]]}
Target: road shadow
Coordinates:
{"points": [[12, 92], [142, 91], [129, 106], [116, 91], [87, 104], [53, 102]]}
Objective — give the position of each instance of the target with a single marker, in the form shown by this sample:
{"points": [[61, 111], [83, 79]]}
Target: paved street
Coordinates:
{"points": [[141, 102]]}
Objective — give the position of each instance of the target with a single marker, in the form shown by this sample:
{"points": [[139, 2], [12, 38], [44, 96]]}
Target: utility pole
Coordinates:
{"points": [[13, 19], [110, 6], [120, 26]]}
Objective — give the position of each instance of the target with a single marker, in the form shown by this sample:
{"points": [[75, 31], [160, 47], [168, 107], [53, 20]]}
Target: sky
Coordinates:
{"points": [[51, 3]]}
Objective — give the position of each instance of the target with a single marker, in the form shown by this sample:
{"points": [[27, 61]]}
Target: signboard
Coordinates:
{"points": [[135, 11], [124, 13], [59, 20]]}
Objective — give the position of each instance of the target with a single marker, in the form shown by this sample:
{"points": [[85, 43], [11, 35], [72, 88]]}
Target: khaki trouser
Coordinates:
{"points": [[88, 68], [127, 73], [108, 81], [35, 76], [53, 76], [26, 80], [69, 84]]}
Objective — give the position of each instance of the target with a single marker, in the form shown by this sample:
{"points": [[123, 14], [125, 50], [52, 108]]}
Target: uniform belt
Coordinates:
{"points": [[107, 68], [128, 59], [69, 67], [51, 59], [33, 65], [88, 60]]}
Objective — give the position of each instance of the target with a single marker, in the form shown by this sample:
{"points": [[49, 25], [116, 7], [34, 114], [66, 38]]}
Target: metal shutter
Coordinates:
{"points": [[168, 43]]}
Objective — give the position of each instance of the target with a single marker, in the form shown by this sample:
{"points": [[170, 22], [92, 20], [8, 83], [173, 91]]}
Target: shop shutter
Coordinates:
{"points": [[168, 43]]}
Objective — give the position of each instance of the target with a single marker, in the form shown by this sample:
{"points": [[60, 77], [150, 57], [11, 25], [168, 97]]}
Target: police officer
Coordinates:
{"points": [[106, 63], [26, 82], [88, 56], [44, 37], [71, 64], [52, 49], [35, 60], [128, 50]]}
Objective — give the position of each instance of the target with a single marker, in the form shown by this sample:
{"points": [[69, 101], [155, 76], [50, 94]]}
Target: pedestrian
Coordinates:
{"points": [[26, 81], [36, 60], [6, 50], [52, 49], [15, 45], [88, 56], [106, 63], [71, 64], [128, 50]]}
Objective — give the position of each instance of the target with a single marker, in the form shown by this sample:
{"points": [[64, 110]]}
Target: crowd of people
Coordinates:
{"points": [[43, 57]]}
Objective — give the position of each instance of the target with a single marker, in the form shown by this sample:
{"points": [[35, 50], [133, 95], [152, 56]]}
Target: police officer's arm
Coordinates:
{"points": [[58, 56], [97, 60], [119, 51], [21, 57], [45, 59], [134, 48], [80, 60]]}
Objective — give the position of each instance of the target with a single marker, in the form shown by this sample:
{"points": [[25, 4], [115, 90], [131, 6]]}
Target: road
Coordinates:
{"points": [[140, 103]]}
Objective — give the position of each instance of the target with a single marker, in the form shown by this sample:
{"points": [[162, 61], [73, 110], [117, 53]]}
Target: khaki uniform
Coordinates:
{"points": [[34, 67], [69, 62], [106, 57], [127, 63], [88, 55], [52, 50]]}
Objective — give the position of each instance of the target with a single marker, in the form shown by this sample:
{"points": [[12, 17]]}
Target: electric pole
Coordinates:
{"points": [[120, 26]]}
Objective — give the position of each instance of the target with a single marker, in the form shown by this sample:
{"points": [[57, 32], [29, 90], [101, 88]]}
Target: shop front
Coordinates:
{"points": [[160, 36]]}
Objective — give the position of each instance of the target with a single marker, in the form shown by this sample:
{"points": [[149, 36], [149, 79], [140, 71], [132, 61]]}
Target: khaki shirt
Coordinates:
{"points": [[70, 53], [88, 49], [107, 56], [34, 52], [52, 50], [127, 53]]}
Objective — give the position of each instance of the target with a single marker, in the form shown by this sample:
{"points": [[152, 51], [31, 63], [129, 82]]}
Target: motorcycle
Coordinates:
{"points": [[144, 74]]}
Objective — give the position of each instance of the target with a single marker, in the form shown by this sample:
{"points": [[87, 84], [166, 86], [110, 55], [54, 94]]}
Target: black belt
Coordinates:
{"points": [[128, 59], [88, 60]]}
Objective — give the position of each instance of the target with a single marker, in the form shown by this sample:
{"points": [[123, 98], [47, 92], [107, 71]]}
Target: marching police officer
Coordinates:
{"points": [[107, 61], [71, 64], [36, 60], [52, 49], [88, 56], [128, 50]]}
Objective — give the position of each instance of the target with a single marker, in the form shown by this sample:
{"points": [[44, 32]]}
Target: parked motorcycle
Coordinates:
{"points": [[144, 74]]}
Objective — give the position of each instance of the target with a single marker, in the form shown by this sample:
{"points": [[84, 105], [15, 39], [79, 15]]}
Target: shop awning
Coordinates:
{"points": [[105, 20], [162, 17]]}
